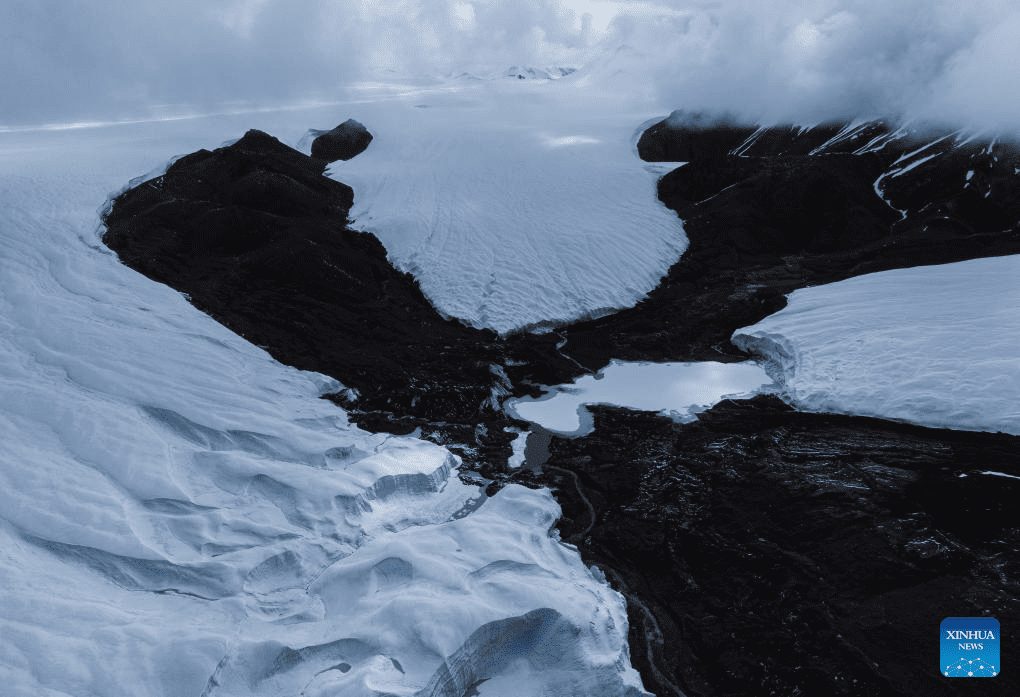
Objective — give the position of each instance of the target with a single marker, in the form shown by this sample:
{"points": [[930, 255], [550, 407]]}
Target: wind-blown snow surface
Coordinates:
{"points": [[514, 203], [932, 345], [181, 515]]}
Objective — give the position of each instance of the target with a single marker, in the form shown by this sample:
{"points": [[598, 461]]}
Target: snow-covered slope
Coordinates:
{"points": [[514, 203], [181, 515], [932, 345]]}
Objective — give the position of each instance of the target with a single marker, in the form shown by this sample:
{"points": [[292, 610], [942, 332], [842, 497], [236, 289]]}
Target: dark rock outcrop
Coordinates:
{"points": [[766, 551], [347, 140], [715, 137]]}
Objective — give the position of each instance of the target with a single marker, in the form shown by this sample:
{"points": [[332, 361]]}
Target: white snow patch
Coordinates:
{"points": [[846, 132], [1000, 474], [932, 345], [912, 165], [877, 186], [751, 139], [182, 515], [877, 143], [679, 390], [910, 155]]}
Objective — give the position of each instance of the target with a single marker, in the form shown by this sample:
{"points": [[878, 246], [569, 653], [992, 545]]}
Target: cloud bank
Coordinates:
{"points": [[801, 60], [824, 59], [73, 60]]}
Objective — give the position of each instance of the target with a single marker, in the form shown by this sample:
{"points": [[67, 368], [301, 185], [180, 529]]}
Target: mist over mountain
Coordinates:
{"points": [[794, 60], [444, 401]]}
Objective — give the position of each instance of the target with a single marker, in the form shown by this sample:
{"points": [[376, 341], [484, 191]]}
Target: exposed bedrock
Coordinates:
{"points": [[786, 553], [347, 140]]}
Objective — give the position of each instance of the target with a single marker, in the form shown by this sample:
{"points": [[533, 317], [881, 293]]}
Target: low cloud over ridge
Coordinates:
{"points": [[802, 60]]}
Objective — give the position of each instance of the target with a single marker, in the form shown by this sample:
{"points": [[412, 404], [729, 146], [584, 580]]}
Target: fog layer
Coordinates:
{"points": [[806, 60]]}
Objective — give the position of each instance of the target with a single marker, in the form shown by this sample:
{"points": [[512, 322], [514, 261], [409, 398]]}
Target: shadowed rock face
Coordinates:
{"points": [[347, 140], [761, 550], [716, 137], [766, 551]]}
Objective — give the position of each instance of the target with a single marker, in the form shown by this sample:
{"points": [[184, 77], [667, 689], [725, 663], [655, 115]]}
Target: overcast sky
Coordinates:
{"points": [[806, 60]]}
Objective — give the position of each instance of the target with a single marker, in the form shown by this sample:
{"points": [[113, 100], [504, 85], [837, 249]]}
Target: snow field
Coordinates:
{"points": [[931, 345], [181, 515]]}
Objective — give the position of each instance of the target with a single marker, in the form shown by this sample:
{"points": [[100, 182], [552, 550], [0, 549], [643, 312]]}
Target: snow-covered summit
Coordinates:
{"points": [[519, 72]]}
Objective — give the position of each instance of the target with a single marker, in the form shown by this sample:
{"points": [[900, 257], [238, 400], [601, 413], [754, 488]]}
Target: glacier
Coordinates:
{"points": [[930, 345], [514, 203], [180, 514]]}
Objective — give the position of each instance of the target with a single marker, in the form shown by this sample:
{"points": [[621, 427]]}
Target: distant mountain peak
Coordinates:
{"points": [[532, 73]]}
